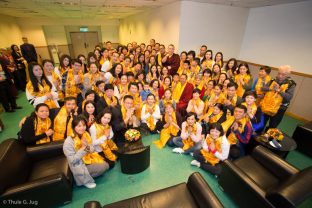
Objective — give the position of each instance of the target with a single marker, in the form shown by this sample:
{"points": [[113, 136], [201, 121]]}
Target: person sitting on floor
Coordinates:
{"points": [[190, 138], [37, 129], [84, 162], [172, 122], [238, 131], [124, 118], [150, 115], [215, 149], [217, 115], [62, 122], [102, 134]]}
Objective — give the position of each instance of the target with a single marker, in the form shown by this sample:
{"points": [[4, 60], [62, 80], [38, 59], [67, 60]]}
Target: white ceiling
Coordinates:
{"points": [[104, 9]]}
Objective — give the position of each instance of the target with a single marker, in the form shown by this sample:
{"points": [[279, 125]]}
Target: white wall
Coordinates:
{"points": [[10, 32], [220, 27], [279, 35], [162, 24]]}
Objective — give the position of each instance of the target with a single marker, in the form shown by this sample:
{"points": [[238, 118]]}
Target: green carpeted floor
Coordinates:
{"points": [[166, 168]]}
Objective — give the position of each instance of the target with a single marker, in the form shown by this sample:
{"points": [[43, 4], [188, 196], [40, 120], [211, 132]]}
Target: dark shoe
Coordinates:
{"points": [[17, 107]]}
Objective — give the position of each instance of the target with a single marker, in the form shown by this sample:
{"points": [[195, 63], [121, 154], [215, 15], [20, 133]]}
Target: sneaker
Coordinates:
{"points": [[90, 185], [195, 163], [178, 150]]}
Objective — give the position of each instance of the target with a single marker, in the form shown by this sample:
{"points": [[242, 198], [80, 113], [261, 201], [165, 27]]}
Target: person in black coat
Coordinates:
{"points": [[28, 51]]}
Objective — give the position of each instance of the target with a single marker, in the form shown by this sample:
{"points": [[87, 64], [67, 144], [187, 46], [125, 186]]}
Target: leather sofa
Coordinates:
{"points": [[38, 176], [263, 179], [195, 193], [303, 137]]}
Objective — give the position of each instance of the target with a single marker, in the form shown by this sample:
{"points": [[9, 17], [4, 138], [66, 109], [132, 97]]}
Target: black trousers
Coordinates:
{"points": [[274, 120], [216, 170], [8, 101]]}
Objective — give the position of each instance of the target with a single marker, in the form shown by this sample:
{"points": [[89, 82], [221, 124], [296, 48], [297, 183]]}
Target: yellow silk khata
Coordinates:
{"points": [[108, 146], [71, 89], [228, 123], [208, 107], [41, 126], [260, 83], [240, 88], [188, 143], [89, 158], [209, 156], [111, 100], [166, 133], [253, 109], [273, 100], [60, 125], [44, 89], [212, 117], [177, 92], [150, 120]]}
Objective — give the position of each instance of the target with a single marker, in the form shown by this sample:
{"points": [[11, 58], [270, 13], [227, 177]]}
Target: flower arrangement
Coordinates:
{"points": [[132, 135], [274, 133]]}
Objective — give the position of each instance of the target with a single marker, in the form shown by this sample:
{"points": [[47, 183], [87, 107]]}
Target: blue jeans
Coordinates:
{"points": [[178, 142]]}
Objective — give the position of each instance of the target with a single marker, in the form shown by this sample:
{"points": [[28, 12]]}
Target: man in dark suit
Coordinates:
{"points": [[28, 51]]}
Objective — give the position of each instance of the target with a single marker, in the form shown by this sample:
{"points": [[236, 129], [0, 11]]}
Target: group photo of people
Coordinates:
{"points": [[194, 102]]}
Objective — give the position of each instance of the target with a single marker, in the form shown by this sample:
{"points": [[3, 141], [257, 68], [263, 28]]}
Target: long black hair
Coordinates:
{"points": [[34, 80]]}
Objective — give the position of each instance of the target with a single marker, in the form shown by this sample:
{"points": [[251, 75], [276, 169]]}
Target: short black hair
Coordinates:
{"points": [[267, 69], [109, 87], [240, 106], [218, 127]]}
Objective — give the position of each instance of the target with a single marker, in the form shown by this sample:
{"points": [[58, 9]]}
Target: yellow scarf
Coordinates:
{"points": [[212, 117], [240, 89], [273, 100], [209, 156], [41, 126], [253, 109], [71, 89], [166, 133], [89, 158], [188, 143], [44, 88], [228, 123], [60, 125], [213, 100], [108, 146], [197, 102], [111, 100], [150, 120]]}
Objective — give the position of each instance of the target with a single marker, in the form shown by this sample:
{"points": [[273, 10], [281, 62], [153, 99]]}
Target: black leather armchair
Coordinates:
{"points": [[262, 179], [195, 193], [38, 175], [303, 137]]}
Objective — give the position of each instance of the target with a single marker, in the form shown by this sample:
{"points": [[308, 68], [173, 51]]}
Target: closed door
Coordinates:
{"points": [[83, 42]]}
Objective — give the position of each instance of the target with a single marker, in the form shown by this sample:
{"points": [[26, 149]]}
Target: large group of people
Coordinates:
{"points": [[197, 103]]}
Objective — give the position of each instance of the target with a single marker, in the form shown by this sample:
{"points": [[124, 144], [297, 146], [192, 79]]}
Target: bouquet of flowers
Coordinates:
{"points": [[132, 135], [274, 133]]}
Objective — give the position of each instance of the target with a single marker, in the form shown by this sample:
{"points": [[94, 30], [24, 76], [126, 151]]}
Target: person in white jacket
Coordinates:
{"points": [[150, 115], [215, 149]]}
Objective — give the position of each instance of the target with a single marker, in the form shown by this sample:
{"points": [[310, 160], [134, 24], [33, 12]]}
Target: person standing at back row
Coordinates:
{"points": [[28, 51]]}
